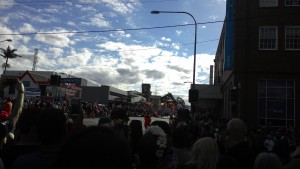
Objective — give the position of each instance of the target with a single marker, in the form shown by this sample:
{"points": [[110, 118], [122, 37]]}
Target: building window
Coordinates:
{"points": [[11, 90], [292, 38], [268, 3], [292, 2], [276, 103], [26, 83], [268, 38]]}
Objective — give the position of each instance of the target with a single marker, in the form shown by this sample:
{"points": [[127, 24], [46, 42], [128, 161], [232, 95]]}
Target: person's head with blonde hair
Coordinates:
{"points": [[205, 153]]}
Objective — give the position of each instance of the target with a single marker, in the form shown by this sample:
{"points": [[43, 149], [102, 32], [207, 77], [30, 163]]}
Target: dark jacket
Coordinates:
{"points": [[243, 153]]}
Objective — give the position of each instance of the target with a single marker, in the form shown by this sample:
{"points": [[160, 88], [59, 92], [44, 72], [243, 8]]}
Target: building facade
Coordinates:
{"points": [[103, 94], [146, 91], [257, 64], [210, 99], [37, 85]]}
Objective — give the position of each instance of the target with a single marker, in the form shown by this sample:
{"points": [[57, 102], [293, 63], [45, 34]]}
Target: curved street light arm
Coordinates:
{"points": [[195, 40]]}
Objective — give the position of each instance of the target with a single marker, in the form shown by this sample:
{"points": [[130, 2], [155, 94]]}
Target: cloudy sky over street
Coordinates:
{"points": [[115, 42]]}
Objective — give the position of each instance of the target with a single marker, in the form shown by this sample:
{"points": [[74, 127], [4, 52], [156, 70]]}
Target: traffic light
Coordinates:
{"points": [[55, 80], [193, 95], [232, 94]]}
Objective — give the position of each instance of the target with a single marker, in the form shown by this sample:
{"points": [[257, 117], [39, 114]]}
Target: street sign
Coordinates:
{"points": [[32, 92], [71, 80]]}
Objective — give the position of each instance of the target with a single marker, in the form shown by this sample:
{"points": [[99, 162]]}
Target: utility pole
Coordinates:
{"points": [[35, 59]]}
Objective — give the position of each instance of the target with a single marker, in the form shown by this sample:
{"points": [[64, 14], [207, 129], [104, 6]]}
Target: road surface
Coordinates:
{"points": [[94, 121]]}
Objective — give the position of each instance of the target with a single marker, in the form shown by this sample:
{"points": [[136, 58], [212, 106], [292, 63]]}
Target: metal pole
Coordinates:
{"points": [[195, 39], [195, 49]]}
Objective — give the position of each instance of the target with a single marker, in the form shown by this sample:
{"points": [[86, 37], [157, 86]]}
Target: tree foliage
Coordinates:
{"points": [[8, 54]]}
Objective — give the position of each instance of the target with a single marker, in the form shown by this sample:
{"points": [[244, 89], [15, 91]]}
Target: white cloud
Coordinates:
{"points": [[75, 58], [130, 22], [178, 33], [119, 6], [98, 20], [87, 8], [59, 40], [7, 4], [175, 46], [46, 62], [221, 1], [68, 3], [52, 9], [4, 19], [120, 34], [122, 7], [5, 30], [71, 23], [213, 17], [166, 39], [27, 28], [57, 52], [26, 39]]}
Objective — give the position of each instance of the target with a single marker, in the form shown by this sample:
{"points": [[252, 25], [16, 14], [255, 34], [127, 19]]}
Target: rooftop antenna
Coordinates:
{"points": [[35, 59]]}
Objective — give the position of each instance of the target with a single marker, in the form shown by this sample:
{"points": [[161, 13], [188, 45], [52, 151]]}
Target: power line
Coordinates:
{"points": [[163, 47], [111, 30], [169, 46], [156, 27]]}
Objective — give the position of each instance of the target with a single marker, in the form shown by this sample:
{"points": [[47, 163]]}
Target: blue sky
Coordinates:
{"points": [[115, 42]]}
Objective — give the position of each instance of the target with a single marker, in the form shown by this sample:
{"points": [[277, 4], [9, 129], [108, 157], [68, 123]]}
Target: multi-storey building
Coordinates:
{"points": [[257, 62]]}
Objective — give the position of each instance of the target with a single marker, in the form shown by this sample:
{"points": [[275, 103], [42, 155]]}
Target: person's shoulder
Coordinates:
{"points": [[188, 165], [28, 156], [19, 150], [25, 160]]}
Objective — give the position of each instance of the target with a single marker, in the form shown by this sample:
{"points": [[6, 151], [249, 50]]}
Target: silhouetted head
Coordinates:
{"points": [[105, 121], [267, 161], [51, 126], [153, 148], [236, 130], [205, 153], [93, 148]]}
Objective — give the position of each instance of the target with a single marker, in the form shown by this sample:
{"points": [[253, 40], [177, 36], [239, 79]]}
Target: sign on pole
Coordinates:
{"points": [[71, 80]]}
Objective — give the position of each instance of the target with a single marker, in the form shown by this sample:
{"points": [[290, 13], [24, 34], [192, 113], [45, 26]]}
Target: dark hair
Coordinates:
{"points": [[27, 120], [51, 125], [136, 128], [182, 138], [94, 147], [227, 162], [136, 133], [147, 151], [119, 113], [104, 120]]}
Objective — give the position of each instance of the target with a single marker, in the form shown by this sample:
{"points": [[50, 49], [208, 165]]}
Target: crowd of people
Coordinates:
{"points": [[45, 137]]}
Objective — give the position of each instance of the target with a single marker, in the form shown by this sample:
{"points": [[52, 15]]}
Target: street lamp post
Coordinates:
{"points": [[195, 39], [6, 40], [193, 91]]}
